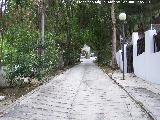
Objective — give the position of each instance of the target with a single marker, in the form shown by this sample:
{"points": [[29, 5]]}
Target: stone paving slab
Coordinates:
{"points": [[145, 92], [84, 92]]}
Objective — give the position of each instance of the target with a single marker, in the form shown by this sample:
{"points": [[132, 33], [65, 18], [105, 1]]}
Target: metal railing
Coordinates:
{"points": [[156, 39], [129, 54], [154, 27], [140, 46]]}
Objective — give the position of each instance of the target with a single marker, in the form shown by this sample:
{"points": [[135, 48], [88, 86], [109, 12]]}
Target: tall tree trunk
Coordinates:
{"points": [[41, 38], [41, 28], [113, 34], [42, 24], [1, 32], [69, 36]]}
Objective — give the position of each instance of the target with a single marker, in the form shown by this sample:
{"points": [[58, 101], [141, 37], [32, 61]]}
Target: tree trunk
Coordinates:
{"points": [[1, 32], [40, 42], [69, 36], [113, 34], [41, 28]]}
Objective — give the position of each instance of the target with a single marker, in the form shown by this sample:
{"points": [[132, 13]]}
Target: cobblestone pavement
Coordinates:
{"points": [[145, 92], [83, 92]]}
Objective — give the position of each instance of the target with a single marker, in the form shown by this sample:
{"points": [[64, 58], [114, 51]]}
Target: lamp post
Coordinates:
{"points": [[122, 17]]}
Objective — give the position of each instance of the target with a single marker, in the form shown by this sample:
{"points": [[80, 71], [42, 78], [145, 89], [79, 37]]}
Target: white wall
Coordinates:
{"points": [[146, 65], [139, 65], [153, 70], [119, 59], [139, 62]]}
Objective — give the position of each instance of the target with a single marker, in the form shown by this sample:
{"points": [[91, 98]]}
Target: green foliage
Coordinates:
{"points": [[68, 27], [95, 23], [20, 45]]}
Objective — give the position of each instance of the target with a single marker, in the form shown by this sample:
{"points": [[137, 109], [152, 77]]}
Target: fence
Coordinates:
{"points": [[143, 56], [120, 61], [129, 54], [140, 46], [146, 65], [157, 42]]}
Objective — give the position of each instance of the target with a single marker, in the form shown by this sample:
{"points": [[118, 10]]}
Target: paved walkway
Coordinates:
{"points": [[83, 92], [145, 92]]}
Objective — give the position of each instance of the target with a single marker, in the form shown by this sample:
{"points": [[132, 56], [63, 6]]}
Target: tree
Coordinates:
{"points": [[113, 34], [41, 27], [68, 26], [1, 31]]}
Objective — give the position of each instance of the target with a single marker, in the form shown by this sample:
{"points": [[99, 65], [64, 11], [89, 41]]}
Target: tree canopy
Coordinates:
{"points": [[69, 24]]}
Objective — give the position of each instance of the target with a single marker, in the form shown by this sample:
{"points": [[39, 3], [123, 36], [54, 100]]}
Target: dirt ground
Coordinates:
{"points": [[108, 70], [13, 93]]}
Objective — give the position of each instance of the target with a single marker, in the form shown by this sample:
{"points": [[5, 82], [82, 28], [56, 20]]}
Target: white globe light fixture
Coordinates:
{"points": [[122, 16]]}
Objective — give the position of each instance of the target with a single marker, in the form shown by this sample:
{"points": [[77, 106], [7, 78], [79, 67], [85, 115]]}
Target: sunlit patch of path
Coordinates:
{"points": [[83, 92]]}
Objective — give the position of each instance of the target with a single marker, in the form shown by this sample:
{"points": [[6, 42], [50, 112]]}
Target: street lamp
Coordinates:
{"points": [[122, 17]]}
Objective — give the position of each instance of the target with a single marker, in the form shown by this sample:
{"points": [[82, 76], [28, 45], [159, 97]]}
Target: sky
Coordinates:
{"points": [[3, 6], [110, 1]]}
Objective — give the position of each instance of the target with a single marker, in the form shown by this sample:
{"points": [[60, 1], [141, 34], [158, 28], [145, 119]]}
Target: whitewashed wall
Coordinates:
{"points": [[119, 59], [146, 65]]}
